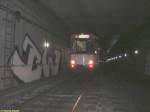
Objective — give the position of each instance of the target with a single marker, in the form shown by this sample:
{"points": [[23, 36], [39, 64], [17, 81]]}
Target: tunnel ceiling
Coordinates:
{"points": [[105, 18]]}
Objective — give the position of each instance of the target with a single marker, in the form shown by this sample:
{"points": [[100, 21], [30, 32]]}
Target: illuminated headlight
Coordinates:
{"points": [[91, 62], [72, 62], [91, 65]]}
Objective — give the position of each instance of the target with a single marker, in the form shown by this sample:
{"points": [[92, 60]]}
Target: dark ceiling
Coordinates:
{"points": [[108, 19]]}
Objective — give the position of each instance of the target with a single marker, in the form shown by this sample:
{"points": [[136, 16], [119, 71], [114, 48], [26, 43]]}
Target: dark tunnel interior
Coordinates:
{"points": [[75, 56]]}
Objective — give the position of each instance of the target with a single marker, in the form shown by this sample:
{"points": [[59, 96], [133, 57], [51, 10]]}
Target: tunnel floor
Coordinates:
{"points": [[101, 91]]}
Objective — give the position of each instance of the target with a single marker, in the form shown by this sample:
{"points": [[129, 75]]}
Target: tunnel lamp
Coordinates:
{"points": [[99, 49], [107, 60], [125, 55], [120, 56], [46, 44], [95, 52], [136, 52]]}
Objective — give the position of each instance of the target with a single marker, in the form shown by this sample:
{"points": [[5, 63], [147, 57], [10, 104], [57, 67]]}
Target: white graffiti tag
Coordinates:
{"points": [[31, 65], [27, 66]]}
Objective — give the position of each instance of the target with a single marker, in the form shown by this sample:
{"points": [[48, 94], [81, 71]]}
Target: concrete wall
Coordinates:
{"points": [[146, 36], [23, 31], [147, 65]]}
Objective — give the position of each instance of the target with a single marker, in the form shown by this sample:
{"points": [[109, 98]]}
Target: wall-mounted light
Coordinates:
{"points": [[120, 56], [136, 52], [95, 51], [46, 44], [125, 55]]}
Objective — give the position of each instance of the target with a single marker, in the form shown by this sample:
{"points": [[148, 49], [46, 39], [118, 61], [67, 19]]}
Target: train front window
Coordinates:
{"points": [[82, 46]]}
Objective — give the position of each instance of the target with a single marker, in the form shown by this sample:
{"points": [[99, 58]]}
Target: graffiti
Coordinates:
{"points": [[55, 62], [31, 65], [50, 62], [46, 64]]}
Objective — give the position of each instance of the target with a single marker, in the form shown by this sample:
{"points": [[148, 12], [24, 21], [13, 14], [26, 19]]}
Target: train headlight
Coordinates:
{"points": [[72, 64], [91, 64]]}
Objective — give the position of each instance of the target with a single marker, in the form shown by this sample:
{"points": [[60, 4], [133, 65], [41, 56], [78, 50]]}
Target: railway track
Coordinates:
{"points": [[61, 98], [21, 94], [86, 93]]}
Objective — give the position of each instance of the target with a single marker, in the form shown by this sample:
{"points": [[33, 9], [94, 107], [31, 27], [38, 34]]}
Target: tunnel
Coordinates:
{"points": [[45, 66]]}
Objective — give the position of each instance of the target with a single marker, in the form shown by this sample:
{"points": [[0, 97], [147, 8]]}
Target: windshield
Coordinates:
{"points": [[82, 46]]}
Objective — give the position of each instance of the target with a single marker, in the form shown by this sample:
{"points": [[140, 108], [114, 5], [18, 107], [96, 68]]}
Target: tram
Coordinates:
{"points": [[84, 51]]}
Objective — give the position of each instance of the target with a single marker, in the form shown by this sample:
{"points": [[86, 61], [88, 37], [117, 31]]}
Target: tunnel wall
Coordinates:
{"points": [[23, 58], [147, 66], [138, 64], [146, 36]]}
